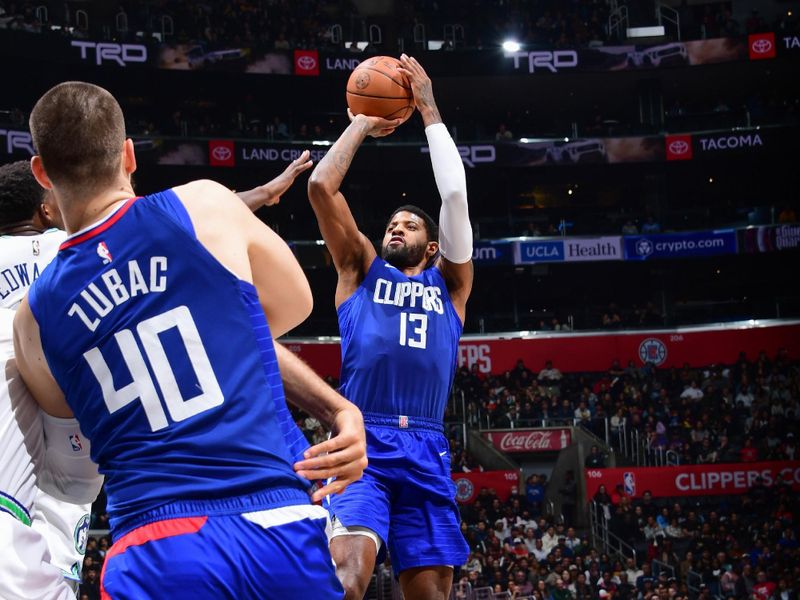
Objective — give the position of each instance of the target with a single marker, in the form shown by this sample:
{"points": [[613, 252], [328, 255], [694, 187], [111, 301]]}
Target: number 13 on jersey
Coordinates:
{"points": [[414, 330]]}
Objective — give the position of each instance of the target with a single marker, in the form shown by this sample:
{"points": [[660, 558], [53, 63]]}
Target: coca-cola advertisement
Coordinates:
{"points": [[469, 485], [693, 480], [529, 440]]}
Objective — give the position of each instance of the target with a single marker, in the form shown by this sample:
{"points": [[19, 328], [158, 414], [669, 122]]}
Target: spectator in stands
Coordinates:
{"points": [[749, 453], [550, 378], [650, 225], [503, 134], [611, 318], [568, 492], [630, 228], [595, 460], [692, 392]]}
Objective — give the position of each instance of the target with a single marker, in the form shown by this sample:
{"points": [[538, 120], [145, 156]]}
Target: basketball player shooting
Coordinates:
{"points": [[400, 315]]}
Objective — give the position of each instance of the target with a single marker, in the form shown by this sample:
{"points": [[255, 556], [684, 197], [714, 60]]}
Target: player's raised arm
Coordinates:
{"points": [[351, 250], [270, 193], [455, 231]]}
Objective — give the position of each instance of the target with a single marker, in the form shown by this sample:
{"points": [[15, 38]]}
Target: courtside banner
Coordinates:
{"points": [[530, 251], [571, 352], [769, 238], [497, 252], [469, 485], [692, 480], [680, 245], [520, 441]]}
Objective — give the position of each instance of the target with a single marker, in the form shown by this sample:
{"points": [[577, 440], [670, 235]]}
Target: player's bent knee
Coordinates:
{"points": [[354, 556]]}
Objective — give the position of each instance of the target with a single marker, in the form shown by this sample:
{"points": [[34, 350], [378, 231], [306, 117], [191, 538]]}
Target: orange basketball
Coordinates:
{"points": [[377, 89]]}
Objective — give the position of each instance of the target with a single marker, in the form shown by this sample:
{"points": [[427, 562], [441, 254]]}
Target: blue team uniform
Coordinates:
{"points": [[399, 351], [166, 359]]}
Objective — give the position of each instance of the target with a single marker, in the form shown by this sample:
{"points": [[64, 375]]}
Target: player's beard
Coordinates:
{"points": [[404, 256]]}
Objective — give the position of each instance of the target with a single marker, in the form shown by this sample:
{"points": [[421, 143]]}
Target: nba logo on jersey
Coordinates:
{"points": [[75, 442], [403, 422], [35, 247], [104, 253]]}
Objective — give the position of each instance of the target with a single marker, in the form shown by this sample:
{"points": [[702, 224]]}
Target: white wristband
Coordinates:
{"points": [[69, 473]]}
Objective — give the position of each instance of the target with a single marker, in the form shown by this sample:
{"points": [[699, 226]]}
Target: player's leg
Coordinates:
{"points": [[361, 523], [354, 556], [427, 583], [425, 539]]}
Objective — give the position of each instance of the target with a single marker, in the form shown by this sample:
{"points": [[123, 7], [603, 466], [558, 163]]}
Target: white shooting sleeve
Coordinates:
{"points": [[455, 230]]}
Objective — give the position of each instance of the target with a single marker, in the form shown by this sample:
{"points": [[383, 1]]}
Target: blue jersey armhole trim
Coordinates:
{"points": [[361, 286], [169, 202]]}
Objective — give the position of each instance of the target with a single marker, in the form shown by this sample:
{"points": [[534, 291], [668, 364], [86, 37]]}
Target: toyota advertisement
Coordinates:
{"points": [[680, 245]]}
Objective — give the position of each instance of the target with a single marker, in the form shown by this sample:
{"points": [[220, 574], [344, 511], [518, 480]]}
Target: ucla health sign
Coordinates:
{"points": [[680, 245], [526, 252]]}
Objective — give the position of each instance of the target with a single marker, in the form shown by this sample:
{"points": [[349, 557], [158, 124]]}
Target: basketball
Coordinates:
{"points": [[377, 89]]}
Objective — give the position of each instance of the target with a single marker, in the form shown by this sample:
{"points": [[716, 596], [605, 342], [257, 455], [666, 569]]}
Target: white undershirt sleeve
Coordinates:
{"points": [[455, 230]]}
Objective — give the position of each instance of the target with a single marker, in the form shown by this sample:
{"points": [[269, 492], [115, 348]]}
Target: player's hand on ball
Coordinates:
{"points": [[375, 126], [278, 186], [421, 85], [344, 456]]}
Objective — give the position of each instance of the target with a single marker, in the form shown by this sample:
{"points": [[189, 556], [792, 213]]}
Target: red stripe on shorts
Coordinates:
{"points": [[149, 533]]}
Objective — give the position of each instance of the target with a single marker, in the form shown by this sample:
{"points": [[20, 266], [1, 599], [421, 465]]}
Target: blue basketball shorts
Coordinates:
{"points": [[270, 554], [406, 496]]}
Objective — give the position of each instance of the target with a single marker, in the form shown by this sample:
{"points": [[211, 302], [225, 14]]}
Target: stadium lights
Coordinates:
{"points": [[640, 32], [511, 46]]}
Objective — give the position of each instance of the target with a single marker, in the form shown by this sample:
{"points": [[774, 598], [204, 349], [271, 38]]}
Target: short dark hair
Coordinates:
{"points": [[78, 130], [20, 193], [430, 224]]}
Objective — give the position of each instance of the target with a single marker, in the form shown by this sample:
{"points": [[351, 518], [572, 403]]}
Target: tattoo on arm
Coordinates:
{"points": [[341, 160]]}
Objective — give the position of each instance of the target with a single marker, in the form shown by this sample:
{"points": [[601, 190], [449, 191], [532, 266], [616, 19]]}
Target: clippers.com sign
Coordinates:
{"points": [[678, 147], [306, 63], [693, 480], [529, 440], [761, 45]]}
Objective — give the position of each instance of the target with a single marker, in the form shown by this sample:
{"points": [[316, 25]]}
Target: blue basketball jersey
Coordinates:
{"points": [[166, 359], [399, 343]]}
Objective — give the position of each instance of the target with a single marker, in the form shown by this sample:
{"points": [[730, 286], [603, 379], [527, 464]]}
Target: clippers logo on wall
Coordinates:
{"points": [[306, 63], [678, 147], [761, 45], [221, 153], [469, 485]]}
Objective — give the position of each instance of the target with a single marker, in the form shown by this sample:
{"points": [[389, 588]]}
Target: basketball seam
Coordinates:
{"points": [[380, 97], [385, 75]]}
